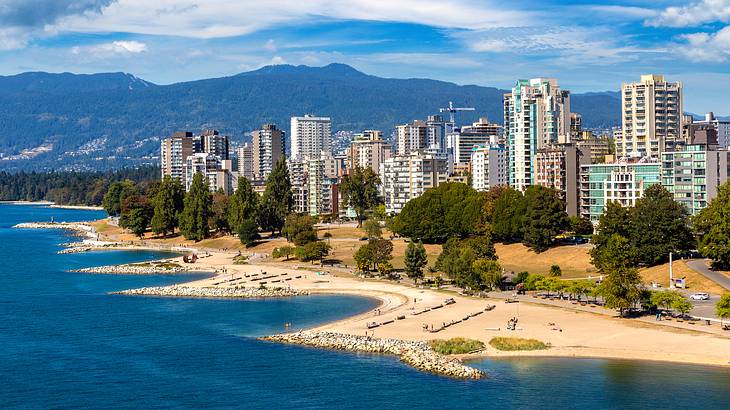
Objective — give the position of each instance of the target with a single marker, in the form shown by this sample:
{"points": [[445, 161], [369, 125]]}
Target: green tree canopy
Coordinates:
{"points": [[372, 228], [299, 229], [450, 210], [374, 253], [277, 200], [712, 226], [115, 196], [196, 210], [242, 205], [616, 220], [621, 287], [313, 251], [359, 190], [415, 260], [168, 204], [136, 214], [723, 306], [508, 214], [248, 232], [545, 217]]}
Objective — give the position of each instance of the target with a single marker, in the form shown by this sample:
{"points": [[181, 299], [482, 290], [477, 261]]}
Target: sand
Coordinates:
{"points": [[571, 333]]}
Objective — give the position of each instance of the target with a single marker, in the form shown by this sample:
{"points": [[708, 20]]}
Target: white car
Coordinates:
{"points": [[700, 296]]}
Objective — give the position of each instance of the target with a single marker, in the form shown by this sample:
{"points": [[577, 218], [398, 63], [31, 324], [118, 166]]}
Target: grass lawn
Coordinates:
{"points": [[516, 343]]}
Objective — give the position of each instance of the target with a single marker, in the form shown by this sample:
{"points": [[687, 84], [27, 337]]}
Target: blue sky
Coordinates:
{"points": [[587, 45]]}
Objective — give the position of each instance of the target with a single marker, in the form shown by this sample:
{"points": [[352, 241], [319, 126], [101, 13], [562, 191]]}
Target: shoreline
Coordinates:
{"points": [[405, 311], [52, 204]]}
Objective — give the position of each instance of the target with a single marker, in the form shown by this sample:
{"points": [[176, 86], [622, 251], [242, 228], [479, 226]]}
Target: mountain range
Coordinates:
{"points": [[109, 120]]}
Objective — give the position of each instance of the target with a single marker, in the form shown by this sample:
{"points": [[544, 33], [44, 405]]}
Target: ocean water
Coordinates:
{"points": [[66, 343]]}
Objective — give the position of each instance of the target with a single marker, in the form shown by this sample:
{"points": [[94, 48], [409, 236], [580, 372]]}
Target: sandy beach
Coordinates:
{"points": [[570, 332]]}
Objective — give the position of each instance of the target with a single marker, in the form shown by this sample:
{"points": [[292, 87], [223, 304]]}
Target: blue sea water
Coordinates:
{"points": [[66, 343]]}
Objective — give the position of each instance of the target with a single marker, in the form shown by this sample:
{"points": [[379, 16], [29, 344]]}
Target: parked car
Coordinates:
{"points": [[700, 296]]}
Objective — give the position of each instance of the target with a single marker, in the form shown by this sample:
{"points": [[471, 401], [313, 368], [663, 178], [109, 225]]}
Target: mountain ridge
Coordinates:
{"points": [[108, 120]]}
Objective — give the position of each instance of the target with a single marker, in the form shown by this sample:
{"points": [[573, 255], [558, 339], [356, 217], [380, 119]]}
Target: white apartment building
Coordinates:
{"points": [[368, 150], [405, 177], [216, 171], [310, 136], [215, 144], [245, 162], [174, 151], [299, 184], [267, 144], [488, 166], [536, 114], [721, 127], [651, 117], [411, 137], [460, 142]]}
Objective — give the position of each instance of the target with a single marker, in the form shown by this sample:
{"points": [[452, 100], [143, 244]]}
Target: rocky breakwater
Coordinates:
{"points": [[417, 354], [213, 292], [81, 228], [151, 268]]}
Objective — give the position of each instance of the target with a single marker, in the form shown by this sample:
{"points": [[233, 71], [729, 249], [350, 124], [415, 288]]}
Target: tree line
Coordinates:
{"points": [[67, 187]]}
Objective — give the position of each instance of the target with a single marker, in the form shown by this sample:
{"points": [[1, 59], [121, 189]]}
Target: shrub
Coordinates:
{"points": [[516, 343], [457, 345]]}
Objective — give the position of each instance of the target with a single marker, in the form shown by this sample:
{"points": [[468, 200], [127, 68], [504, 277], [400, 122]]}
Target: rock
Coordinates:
{"points": [[214, 292], [416, 354]]}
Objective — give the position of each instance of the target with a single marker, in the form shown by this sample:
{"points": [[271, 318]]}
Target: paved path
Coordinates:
{"points": [[701, 266]]}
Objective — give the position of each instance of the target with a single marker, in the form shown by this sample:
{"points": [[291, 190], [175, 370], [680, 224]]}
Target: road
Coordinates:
{"points": [[700, 265]]}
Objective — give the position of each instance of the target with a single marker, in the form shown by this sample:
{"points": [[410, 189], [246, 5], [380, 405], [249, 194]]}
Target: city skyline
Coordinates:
{"points": [[588, 47]]}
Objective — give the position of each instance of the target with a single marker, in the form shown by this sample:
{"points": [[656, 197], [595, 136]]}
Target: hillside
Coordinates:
{"points": [[105, 121]]}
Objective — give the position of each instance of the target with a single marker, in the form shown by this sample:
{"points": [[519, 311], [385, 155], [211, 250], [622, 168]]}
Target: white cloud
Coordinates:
{"points": [[625, 11], [111, 49], [12, 38], [693, 14], [225, 18], [706, 46]]}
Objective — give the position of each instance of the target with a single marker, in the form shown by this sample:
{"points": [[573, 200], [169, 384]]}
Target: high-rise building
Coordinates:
{"points": [[488, 166], [310, 136], [299, 184], [215, 144], [536, 114], [322, 176], [245, 162], [405, 177], [694, 173], [576, 124], [436, 131], [174, 151], [558, 166], [411, 137], [599, 146], [268, 147], [462, 141], [721, 130], [216, 171], [368, 150], [651, 117], [623, 182]]}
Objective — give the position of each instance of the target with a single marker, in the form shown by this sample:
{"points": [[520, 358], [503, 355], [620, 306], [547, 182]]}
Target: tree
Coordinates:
{"points": [[374, 253], [664, 299], [722, 308], [136, 215], [168, 203], [248, 232], [621, 288], [242, 205], [555, 271], [313, 251], [550, 284], [373, 229], [682, 305], [299, 229], [488, 274], [196, 210], [581, 225], [415, 260], [450, 210], [219, 212], [282, 252], [616, 220], [545, 217], [278, 199], [659, 225], [712, 226], [359, 191], [114, 197], [508, 214]]}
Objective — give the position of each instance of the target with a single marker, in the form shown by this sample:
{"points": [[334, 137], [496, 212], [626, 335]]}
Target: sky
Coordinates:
{"points": [[587, 45]]}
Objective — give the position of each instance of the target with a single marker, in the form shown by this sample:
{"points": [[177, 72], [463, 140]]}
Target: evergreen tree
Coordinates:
{"points": [[115, 196], [167, 206], [197, 210], [359, 190], [242, 205], [712, 226], [136, 215], [278, 199], [545, 217], [616, 220], [299, 229], [415, 260], [248, 232], [659, 225], [219, 212]]}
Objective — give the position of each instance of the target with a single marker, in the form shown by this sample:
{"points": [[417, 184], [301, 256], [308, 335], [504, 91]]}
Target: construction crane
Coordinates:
{"points": [[452, 110]]}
